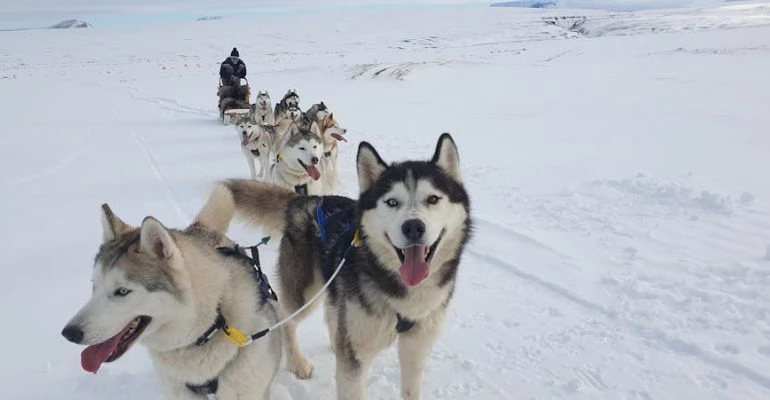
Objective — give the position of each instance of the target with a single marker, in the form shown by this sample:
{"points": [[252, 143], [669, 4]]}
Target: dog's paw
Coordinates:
{"points": [[302, 369]]}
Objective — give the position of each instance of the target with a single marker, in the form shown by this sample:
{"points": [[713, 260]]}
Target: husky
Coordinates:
{"points": [[331, 133], [293, 116], [296, 162], [262, 110], [257, 142], [175, 292], [317, 112], [397, 248], [290, 99]]}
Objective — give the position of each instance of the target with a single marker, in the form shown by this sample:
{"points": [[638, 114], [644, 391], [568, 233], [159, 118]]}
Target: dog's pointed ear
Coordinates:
{"points": [[314, 128], [370, 166], [155, 240], [447, 157], [112, 226]]}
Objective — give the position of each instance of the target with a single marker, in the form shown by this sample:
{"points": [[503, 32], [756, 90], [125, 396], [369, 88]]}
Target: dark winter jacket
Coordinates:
{"points": [[232, 67]]}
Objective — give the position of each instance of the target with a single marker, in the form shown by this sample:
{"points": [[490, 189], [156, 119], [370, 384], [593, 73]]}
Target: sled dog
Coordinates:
{"points": [[257, 142], [317, 112], [262, 110], [174, 291], [290, 99], [296, 165], [402, 241], [293, 117], [331, 132]]}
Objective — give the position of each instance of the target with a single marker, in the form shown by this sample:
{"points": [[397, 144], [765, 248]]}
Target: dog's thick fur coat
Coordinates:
{"points": [[175, 281], [414, 218]]}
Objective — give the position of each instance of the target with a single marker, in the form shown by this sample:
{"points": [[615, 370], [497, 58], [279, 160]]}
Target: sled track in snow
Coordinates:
{"points": [[156, 171], [168, 104], [674, 344]]}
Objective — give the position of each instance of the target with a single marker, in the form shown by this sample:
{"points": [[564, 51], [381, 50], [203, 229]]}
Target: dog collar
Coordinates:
{"points": [[327, 154], [219, 324], [207, 389], [403, 324], [301, 189]]}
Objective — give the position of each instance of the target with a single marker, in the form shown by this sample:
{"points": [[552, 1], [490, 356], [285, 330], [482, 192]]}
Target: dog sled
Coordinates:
{"points": [[234, 101]]}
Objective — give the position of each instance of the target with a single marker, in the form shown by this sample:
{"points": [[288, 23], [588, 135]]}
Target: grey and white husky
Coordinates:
{"points": [[317, 112], [174, 291], [257, 143], [296, 165], [402, 241], [332, 133], [262, 110]]}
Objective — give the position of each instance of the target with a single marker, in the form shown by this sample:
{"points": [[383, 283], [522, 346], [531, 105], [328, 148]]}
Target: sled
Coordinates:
{"points": [[234, 101], [233, 115]]}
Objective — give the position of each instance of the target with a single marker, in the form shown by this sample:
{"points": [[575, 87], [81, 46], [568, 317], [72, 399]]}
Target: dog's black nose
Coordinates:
{"points": [[314, 160], [413, 229], [73, 334]]}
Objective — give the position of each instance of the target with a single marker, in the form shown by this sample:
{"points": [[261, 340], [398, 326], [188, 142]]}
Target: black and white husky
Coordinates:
{"points": [[402, 241], [290, 99]]}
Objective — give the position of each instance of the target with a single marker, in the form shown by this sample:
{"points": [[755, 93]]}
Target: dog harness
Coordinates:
{"points": [[301, 189], [334, 226], [209, 388]]}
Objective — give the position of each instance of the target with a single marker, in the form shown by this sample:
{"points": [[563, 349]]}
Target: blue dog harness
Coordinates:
{"points": [[335, 230]]}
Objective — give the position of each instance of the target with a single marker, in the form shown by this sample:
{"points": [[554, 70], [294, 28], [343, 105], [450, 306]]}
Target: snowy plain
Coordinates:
{"points": [[619, 182]]}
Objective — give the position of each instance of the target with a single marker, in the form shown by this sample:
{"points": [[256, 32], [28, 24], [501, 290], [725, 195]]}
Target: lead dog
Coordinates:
{"points": [[413, 218], [173, 291]]}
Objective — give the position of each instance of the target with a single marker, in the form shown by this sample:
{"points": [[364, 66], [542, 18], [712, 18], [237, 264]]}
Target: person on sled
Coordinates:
{"points": [[232, 69]]}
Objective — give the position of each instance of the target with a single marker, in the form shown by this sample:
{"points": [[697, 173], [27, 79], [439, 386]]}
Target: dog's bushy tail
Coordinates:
{"points": [[259, 204]]}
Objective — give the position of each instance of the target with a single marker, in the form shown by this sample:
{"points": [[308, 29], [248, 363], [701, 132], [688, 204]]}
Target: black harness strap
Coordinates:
{"points": [[403, 324], [210, 387], [219, 324], [206, 389], [327, 154], [334, 227], [301, 189]]}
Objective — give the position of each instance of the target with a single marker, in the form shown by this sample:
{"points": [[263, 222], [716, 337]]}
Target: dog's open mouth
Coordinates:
{"points": [[339, 137], [311, 170], [415, 261], [113, 348]]}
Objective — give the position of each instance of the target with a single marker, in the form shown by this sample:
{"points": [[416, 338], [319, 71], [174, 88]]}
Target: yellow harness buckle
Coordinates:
{"points": [[357, 242], [237, 337]]}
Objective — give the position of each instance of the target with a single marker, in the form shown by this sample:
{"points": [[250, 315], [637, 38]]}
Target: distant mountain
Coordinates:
{"points": [[211, 18], [70, 23], [526, 4]]}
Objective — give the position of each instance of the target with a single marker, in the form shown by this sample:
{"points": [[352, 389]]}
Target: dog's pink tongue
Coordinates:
{"points": [[94, 356], [339, 137], [313, 172], [414, 269]]}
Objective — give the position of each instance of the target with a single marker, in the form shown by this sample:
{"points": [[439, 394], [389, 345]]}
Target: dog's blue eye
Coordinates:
{"points": [[392, 203], [433, 199], [121, 291]]}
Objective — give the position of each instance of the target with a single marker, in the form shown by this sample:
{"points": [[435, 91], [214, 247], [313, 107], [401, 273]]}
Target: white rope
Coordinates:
{"points": [[312, 299]]}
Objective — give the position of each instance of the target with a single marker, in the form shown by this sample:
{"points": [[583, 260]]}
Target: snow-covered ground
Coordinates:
{"points": [[620, 184]]}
